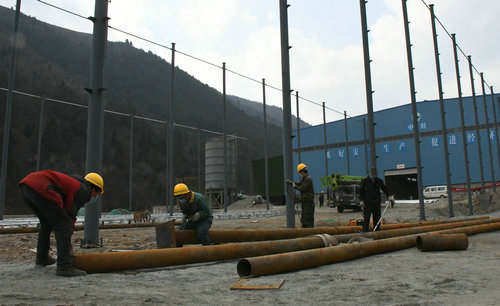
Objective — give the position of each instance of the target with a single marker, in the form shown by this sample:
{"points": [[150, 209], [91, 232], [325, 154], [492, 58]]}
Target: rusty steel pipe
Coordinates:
{"points": [[442, 242], [116, 261], [129, 260], [34, 229], [423, 223], [23, 230], [246, 235], [414, 230], [287, 262]]}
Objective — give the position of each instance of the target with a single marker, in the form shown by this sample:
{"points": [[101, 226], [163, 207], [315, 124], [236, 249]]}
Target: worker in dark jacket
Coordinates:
{"points": [[321, 198], [56, 198], [196, 211], [369, 196], [306, 188]]}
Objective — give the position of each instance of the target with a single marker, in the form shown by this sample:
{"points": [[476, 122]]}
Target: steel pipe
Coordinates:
{"points": [[287, 262], [243, 235], [22, 230], [414, 230], [448, 242], [128, 260]]}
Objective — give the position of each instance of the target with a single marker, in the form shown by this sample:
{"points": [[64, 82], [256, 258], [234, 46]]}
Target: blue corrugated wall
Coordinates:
{"points": [[395, 144]]}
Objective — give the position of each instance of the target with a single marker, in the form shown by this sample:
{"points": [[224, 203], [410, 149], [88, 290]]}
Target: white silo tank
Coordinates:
{"points": [[214, 169]]}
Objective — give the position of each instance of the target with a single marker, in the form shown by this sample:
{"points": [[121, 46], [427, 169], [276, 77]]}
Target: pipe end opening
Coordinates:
{"points": [[244, 268], [419, 242]]}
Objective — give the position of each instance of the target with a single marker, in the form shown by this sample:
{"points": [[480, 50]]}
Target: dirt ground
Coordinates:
{"points": [[406, 277]]}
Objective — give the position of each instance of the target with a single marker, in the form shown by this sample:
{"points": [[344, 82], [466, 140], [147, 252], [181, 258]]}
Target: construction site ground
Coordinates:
{"points": [[406, 277]]}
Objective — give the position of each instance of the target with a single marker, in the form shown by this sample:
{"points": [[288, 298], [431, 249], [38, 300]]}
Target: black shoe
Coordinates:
{"points": [[49, 261], [70, 272]]}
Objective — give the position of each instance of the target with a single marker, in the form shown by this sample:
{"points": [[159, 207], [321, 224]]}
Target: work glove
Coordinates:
{"points": [[289, 182], [362, 203], [195, 217], [391, 200]]}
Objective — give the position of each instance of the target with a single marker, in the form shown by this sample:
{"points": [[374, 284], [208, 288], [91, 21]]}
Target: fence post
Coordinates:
{"points": [[95, 116], [444, 132], [476, 125], [8, 113], [462, 120], [40, 133], [416, 133], [490, 152], [287, 114], [266, 162], [131, 162]]}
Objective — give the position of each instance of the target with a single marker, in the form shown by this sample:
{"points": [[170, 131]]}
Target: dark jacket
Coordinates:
{"points": [[197, 204], [69, 193], [370, 190], [306, 188]]}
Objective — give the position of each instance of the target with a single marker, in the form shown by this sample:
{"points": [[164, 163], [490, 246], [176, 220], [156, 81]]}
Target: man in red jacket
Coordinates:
{"points": [[56, 198]]}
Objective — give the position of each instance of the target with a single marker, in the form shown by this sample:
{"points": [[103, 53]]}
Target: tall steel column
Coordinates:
{"points": [[476, 123], [495, 119], [225, 197], [487, 119], [171, 130], [266, 162], [365, 145], [416, 133], [369, 91], [325, 140], [444, 132], [462, 122], [347, 143], [298, 127], [8, 112], [95, 115], [131, 163], [287, 113], [198, 160], [40, 133]]}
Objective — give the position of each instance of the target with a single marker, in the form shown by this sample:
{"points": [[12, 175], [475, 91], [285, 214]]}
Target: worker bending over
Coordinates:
{"points": [[196, 211], [306, 188], [56, 198]]}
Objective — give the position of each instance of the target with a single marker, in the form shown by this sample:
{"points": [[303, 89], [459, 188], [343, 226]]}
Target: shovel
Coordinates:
{"points": [[383, 213]]}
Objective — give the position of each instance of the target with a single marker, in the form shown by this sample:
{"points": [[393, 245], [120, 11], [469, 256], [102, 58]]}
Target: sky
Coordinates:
{"points": [[326, 58]]}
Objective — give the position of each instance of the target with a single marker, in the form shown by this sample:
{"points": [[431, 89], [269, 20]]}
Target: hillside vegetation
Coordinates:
{"points": [[55, 62]]}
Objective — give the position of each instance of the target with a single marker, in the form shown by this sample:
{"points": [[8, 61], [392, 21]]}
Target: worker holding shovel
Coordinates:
{"points": [[370, 199]]}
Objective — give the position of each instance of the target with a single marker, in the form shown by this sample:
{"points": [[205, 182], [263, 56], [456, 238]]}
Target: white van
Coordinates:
{"points": [[435, 192]]}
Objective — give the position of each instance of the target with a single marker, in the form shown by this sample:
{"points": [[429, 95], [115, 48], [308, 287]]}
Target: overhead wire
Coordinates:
{"points": [[459, 48], [117, 113], [186, 54]]}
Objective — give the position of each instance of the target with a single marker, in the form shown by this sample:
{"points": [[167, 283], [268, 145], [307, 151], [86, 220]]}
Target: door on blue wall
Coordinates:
{"points": [[402, 183]]}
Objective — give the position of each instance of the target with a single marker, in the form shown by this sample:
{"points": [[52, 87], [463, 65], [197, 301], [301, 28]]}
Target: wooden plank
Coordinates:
{"points": [[255, 284]]}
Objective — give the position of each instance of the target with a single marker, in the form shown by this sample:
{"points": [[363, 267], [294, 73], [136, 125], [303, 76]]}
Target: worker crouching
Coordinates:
{"points": [[56, 198], [196, 211]]}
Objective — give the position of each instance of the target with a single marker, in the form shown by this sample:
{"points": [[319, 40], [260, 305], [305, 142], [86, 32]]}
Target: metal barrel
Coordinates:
{"points": [[445, 242]]}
